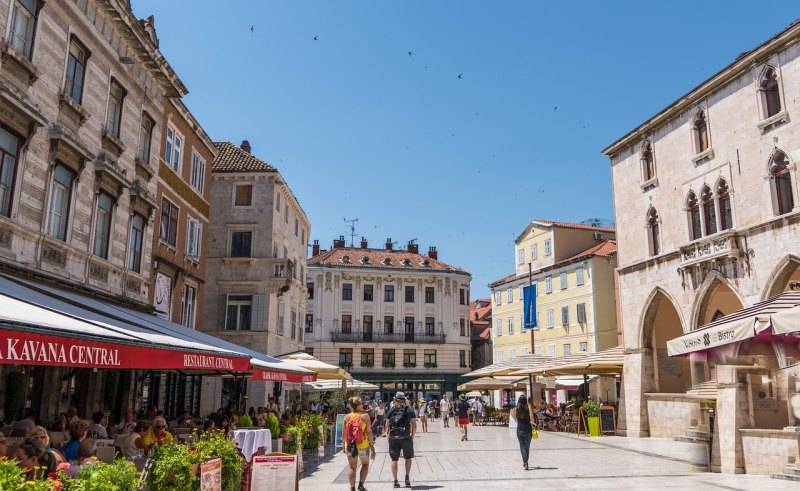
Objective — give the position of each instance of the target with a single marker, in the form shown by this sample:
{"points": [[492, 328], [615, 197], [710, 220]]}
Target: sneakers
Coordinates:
{"points": [[396, 484], [361, 487], [408, 482], [463, 437]]}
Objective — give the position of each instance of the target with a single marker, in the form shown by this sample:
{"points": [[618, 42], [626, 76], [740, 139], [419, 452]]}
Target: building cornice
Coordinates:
{"points": [[395, 271]]}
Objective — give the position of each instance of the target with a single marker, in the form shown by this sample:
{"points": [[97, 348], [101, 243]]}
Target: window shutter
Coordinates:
{"points": [[257, 312], [222, 318]]}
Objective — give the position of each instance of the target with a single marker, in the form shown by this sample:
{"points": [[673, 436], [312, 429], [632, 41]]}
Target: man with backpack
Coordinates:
{"points": [[401, 428]]}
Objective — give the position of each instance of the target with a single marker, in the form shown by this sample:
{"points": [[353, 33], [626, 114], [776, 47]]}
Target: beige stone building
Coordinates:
{"points": [[708, 215], [395, 318], [78, 78], [255, 292]]}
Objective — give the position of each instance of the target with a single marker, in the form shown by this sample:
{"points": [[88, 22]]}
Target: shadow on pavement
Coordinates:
{"points": [[540, 468], [426, 487]]}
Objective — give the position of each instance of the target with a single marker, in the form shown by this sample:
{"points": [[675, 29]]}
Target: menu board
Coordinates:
{"points": [[608, 421], [339, 433], [211, 475], [275, 472]]}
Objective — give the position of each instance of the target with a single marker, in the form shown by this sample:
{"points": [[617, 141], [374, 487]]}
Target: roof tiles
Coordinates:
{"points": [[380, 259], [234, 159]]}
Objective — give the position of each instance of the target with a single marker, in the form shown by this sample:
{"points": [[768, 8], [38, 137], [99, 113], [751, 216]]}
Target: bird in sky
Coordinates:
{"points": [[315, 37], [460, 75], [252, 28], [555, 108], [410, 53]]}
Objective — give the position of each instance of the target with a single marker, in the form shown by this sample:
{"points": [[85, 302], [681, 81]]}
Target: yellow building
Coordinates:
{"points": [[572, 266]]}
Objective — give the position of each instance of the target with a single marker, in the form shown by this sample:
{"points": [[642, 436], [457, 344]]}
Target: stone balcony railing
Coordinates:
{"points": [[379, 337], [719, 246]]}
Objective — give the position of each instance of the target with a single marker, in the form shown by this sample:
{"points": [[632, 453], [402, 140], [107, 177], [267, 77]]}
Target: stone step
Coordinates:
{"points": [[786, 477], [698, 434], [690, 439], [792, 471]]}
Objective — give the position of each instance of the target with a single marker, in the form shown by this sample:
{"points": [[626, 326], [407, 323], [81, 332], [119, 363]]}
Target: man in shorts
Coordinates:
{"points": [[401, 426], [444, 408], [462, 413]]}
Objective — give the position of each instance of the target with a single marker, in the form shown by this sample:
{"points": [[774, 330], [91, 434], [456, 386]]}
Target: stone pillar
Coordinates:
{"points": [[639, 379], [732, 415], [698, 367]]}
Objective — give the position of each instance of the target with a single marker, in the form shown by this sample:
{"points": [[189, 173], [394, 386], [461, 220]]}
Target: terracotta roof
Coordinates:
{"points": [[580, 226], [606, 248], [231, 158], [354, 257], [484, 313]]}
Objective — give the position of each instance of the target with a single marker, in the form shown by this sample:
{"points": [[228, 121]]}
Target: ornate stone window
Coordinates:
{"points": [[9, 157], [653, 232], [781, 178], [693, 211], [59, 206], [724, 204], [769, 90], [102, 226], [23, 26], [135, 246], [709, 210]]}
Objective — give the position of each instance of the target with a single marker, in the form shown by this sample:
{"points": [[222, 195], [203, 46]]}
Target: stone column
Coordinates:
{"points": [[732, 414], [639, 379]]}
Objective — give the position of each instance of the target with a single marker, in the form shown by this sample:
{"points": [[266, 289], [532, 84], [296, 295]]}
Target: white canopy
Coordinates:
{"points": [[330, 385]]}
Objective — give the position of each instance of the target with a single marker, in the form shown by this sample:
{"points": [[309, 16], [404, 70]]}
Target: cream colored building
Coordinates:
{"points": [[395, 318], [572, 266], [708, 216]]}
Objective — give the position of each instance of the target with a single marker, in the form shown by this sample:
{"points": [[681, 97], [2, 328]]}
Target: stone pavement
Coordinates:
{"points": [[491, 460]]}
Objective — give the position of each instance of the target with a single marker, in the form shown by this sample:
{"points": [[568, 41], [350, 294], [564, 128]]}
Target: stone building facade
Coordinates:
{"points": [[708, 211], [256, 262], [77, 79], [395, 318]]}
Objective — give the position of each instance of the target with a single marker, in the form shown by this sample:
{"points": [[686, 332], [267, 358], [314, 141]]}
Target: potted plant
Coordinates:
{"points": [[274, 428], [592, 412]]}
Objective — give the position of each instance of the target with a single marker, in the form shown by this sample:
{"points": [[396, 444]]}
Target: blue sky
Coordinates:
{"points": [[371, 119]]}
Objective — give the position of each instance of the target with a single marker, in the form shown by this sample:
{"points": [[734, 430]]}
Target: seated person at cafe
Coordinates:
{"points": [[61, 424], [126, 425], [41, 434], [27, 423], [185, 421], [33, 456], [158, 433], [131, 443], [87, 449], [97, 428], [77, 432]]}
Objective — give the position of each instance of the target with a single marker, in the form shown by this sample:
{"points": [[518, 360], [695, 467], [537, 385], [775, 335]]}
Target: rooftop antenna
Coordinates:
{"points": [[352, 224]]}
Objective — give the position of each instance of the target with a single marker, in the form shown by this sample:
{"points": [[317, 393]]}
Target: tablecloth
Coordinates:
{"points": [[250, 441]]}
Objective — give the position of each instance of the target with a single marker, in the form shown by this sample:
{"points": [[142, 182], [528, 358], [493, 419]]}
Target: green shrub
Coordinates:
{"points": [[273, 425], [245, 421], [591, 409]]}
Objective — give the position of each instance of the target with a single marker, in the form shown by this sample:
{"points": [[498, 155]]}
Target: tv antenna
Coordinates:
{"points": [[352, 226]]}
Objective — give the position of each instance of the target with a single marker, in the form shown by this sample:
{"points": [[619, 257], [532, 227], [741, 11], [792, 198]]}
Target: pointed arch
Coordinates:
{"points": [[647, 316], [724, 205], [783, 272], [705, 301], [769, 92], [693, 215], [709, 210], [780, 171]]}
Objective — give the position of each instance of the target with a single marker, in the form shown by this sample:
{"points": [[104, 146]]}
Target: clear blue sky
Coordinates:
{"points": [[361, 129]]}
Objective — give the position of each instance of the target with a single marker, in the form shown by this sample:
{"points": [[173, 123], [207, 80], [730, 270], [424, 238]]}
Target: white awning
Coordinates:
{"points": [[572, 383]]}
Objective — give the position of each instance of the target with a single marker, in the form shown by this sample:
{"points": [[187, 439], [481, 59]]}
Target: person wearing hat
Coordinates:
{"points": [[462, 413], [401, 426]]}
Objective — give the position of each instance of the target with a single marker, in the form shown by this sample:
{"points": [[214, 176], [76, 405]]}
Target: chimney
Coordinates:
{"points": [[412, 247], [339, 243], [389, 244], [364, 243], [315, 249], [245, 146], [432, 253]]}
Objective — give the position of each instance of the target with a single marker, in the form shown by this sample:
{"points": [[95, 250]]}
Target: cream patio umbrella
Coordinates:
{"points": [[328, 385], [488, 383], [610, 361], [325, 371]]}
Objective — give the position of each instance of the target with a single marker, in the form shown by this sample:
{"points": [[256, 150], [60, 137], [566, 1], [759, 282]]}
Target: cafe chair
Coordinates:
{"points": [[106, 454]]}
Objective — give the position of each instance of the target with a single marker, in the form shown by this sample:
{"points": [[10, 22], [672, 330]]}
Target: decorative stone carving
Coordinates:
{"points": [[327, 282], [98, 272], [54, 255], [133, 285], [358, 282], [5, 237], [336, 281]]}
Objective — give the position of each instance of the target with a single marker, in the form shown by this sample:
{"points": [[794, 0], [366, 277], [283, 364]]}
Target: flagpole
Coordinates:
{"points": [[533, 345]]}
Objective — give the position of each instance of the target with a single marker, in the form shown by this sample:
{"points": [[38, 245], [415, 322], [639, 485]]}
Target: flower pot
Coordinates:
{"points": [[594, 425]]}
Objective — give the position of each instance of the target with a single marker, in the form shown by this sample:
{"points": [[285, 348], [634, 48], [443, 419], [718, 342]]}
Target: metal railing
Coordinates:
{"points": [[379, 337]]}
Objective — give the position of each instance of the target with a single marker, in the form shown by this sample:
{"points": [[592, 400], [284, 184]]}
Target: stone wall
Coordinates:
{"points": [[672, 414], [769, 451]]}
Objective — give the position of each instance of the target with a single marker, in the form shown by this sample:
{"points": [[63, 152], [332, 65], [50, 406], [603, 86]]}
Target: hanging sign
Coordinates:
{"points": [[529, 302], [260, 374]]}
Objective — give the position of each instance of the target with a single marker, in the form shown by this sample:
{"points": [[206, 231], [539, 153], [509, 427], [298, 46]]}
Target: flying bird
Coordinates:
{"points": [[315, 37], [460, 75], [251, 28], [555, 108], [409, 53]]}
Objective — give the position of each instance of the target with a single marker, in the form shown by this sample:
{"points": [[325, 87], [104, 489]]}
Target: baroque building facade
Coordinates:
{"points": [[708, 211], [77, 80], [395, 318], [256, 262]]}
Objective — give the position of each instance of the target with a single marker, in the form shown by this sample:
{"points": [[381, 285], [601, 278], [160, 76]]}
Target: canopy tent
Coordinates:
{"points": [[747, 323], [489, 383], [331, 385], [324, 370], [572, 383], [58, 311]]}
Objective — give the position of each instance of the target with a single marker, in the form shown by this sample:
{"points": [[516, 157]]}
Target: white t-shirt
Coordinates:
{"points": [[444, 406]]}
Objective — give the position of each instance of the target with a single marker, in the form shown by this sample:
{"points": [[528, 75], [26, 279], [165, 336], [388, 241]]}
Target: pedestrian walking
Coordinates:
{"points": [[423, 414], [401, 428], [444, 408], [522, 414], [380, 420], [462, 413], [359, 443]]}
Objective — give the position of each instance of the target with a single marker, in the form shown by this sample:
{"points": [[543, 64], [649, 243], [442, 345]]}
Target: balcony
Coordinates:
{"points": [[717, 247], [379, 337]]}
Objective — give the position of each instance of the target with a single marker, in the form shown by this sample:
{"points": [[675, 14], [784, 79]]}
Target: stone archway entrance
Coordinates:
{"points": [[717, 301], [671, 375]]}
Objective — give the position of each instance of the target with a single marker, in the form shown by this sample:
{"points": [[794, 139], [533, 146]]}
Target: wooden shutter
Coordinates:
{"points": [[257, 321]]}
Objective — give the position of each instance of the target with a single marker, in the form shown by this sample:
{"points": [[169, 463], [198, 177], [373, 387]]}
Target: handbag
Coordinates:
{"points": [[534, 432]]}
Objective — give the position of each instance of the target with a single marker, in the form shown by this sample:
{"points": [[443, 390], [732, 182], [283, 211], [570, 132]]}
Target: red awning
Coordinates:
{"points": [[28, 348], [277, 375]]}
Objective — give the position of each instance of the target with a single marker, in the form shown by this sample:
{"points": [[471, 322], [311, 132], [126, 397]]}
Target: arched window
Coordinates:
{"points": [[724, 203], [700, 132], [709, 212], [653, 232], [770, 93], [693, 207], [782, 183], [648, 162]]}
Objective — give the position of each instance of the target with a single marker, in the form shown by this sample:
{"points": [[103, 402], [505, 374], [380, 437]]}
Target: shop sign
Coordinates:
{"points": [[280, 376]]}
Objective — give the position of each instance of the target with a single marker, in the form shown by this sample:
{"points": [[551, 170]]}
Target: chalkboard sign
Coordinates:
{"points": [[608, 420]]}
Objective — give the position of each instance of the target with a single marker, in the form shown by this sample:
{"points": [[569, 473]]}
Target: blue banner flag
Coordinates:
{"points": [[529, 300]]}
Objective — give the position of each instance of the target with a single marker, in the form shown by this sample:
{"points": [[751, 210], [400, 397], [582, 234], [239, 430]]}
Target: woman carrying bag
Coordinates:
{"points": [[525, 429]]}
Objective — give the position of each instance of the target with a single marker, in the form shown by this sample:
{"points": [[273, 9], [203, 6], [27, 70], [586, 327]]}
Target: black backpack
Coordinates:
{"points": [[398, 423]]}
